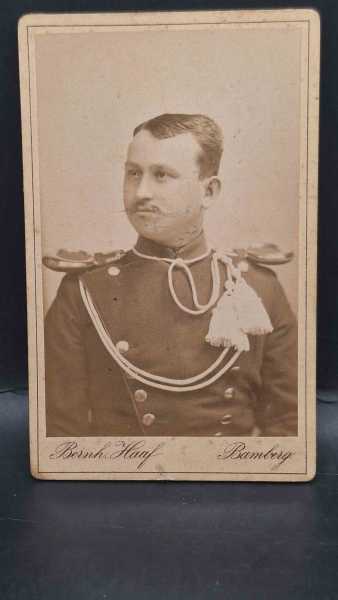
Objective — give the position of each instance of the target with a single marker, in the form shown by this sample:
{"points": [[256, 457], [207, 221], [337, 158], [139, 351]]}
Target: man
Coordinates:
{"points": [[170, 338]]}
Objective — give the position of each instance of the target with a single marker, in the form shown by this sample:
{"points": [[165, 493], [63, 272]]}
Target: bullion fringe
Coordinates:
{"points": [[238, 313]]}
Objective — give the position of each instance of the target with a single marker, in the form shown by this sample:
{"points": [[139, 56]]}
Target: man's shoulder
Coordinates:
{"points": [[259, 274], [77, 262], [255, 273], [257, 262], [92, 270], [116, 264]]}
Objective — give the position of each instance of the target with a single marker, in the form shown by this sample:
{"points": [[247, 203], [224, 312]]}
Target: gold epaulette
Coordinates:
{"points": [[76, 262], [263, 254]]}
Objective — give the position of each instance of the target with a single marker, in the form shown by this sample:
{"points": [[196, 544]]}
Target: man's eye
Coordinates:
{"points": [[133, 173], [161, 175]]}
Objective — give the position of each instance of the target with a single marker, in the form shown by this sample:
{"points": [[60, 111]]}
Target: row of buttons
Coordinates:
{"points": [[148, 418], [141, 395]]}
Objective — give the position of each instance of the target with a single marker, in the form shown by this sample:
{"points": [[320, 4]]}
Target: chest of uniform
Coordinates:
{"points": [[147, 326]]}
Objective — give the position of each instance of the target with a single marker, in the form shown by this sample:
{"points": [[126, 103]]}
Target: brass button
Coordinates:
{"points": [[148, 419], [226, 419], [235, 368], [229, 392], [140, 395], [122, 346], [113, 271]]}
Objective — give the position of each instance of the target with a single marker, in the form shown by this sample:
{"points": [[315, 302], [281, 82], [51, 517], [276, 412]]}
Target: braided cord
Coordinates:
{"points": [[155, 381]]}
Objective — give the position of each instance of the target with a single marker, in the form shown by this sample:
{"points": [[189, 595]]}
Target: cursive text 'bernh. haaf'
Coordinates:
{"points": [[240, 451], [138, 451]]}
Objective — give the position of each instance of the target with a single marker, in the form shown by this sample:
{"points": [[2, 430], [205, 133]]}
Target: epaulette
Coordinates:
{"points": [[79, 261], [262, 254]]}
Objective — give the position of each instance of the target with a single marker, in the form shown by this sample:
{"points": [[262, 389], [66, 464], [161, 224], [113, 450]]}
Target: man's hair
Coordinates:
{"points": [[206, 132]]}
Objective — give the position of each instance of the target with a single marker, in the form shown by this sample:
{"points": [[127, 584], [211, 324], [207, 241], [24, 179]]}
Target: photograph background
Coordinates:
{"points": [[94, 88]]}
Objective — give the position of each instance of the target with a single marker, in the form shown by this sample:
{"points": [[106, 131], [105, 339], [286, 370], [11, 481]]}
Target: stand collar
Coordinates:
{"points": [[193, 249]]}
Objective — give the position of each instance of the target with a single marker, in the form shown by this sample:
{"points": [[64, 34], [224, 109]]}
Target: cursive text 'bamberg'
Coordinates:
{"points": [[240, 451]]}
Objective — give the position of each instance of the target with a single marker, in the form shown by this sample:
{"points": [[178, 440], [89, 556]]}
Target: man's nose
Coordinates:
{"points": [[144, 189]]}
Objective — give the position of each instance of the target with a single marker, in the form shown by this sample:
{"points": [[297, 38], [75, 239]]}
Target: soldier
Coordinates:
{"points": [[171, 337]]}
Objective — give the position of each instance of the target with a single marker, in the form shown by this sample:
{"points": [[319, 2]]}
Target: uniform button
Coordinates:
{"points": [[229, 285], [218, 434], [243, 266], [113, 271], [235, 368], [140, 395], [148, 419], [226, 419], [228, 392], [122, 346]]}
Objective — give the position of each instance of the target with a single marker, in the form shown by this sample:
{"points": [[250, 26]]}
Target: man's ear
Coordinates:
{"points": [[212, 188]]}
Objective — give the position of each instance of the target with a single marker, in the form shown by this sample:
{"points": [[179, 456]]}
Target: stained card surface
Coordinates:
{"points": [[170, 174]]}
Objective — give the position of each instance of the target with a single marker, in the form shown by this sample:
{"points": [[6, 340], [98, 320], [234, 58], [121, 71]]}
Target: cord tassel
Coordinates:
{"points": [[224, 328], [252, 315], [239, 312]]}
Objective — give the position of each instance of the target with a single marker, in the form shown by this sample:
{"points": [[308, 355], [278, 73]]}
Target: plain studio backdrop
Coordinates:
{"points": [[94, 87]]}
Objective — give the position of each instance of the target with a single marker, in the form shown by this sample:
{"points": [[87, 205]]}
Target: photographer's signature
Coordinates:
{"points": [[138, 452]]}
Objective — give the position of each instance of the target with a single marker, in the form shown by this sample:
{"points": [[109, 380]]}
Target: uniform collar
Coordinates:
{"points": [[196, 247]]}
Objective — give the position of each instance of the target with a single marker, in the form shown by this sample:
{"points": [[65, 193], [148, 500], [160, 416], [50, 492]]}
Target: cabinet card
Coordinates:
{"points": [[170, 182]]}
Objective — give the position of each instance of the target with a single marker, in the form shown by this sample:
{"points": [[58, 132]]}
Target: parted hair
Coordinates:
{"points": [[206, 132]]}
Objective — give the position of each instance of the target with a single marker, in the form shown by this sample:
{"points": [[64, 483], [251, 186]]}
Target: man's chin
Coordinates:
{"points": [[154, 233], [163, 230], [151, 225]]}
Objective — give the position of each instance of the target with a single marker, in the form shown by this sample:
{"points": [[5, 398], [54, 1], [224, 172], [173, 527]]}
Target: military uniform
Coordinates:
{"points": [[89, 392]]}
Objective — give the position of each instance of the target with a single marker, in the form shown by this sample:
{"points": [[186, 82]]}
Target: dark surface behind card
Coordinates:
{"points": [[165, 541]]}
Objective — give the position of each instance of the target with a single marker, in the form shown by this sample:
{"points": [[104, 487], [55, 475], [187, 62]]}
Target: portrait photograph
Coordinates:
{"points": [[170, 180]]}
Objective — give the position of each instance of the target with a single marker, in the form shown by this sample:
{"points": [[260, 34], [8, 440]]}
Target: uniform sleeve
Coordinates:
{"points": [[65, 364], [278, 402]]}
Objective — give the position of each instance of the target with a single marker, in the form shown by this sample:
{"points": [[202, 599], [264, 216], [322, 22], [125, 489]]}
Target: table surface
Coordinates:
{"points": [[165, 540]]}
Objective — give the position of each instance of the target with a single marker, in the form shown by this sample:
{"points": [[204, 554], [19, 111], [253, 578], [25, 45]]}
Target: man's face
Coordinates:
{"points": [[163, 193]]}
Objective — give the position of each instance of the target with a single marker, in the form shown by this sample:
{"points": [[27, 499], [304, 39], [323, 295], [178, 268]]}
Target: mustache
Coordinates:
{"points": [[145, 207], [141, 207]]}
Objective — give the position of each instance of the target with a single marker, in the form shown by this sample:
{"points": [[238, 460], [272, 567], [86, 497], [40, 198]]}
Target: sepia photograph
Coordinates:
{"points": [[170, 164]]}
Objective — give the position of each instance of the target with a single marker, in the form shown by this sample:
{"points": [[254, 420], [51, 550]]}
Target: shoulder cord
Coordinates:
{"points": [[168, 384], [183, 264]]}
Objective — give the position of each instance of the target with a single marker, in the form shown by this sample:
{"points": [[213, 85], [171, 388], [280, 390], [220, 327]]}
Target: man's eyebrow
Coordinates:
{"points": [[165, 167], [130, 163]]}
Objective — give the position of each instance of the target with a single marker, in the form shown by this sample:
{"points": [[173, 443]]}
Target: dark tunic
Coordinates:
{"points": [[87, 393]]}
